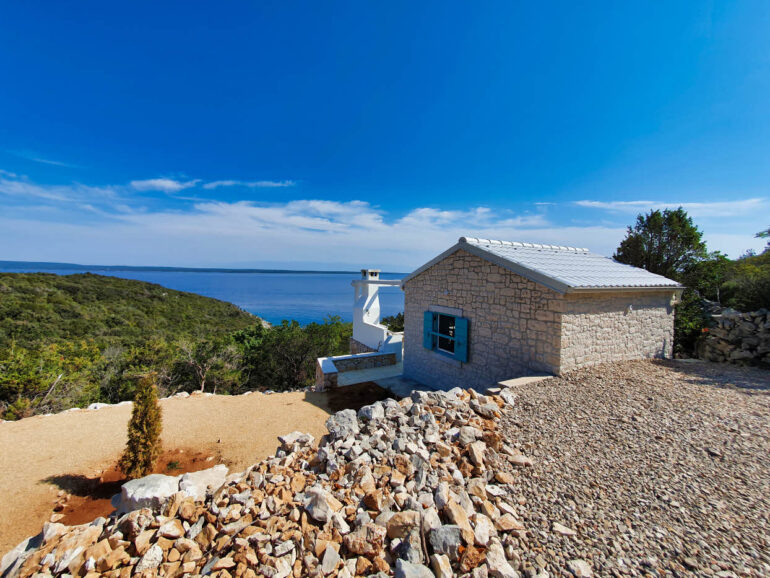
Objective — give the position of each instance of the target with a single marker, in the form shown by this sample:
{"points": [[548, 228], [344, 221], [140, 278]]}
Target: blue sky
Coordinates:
{"points": [[360, 133]]}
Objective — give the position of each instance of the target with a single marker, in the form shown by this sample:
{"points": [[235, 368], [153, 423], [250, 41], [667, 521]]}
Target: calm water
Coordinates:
{"points": [[306, 297]]}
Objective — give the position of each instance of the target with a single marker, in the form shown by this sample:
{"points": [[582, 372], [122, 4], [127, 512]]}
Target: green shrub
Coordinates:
{"points": [[689, 322], [143, 446]]}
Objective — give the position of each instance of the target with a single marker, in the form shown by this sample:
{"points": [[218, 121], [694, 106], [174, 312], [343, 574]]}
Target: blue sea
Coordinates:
{"points": [[305, 297]]}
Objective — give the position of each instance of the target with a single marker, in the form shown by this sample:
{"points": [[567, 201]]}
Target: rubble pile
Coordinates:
{"points": [[411, 488]]}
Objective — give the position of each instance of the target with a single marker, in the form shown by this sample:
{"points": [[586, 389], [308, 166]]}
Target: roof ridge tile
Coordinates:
{"points": [[479, 241]]}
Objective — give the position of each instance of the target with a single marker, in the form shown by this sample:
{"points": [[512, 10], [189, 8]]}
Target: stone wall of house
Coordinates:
{"points": [[357, 347], [600, 327], [738, 338], [513, 323]]}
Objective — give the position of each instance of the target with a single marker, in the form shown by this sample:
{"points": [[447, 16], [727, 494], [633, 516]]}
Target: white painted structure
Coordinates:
{"points": [[367, 329]]}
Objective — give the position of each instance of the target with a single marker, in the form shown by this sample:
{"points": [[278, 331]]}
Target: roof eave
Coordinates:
{"points": [[627, 289]]}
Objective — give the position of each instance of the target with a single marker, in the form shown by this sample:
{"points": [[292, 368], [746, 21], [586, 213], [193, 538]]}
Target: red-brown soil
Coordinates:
{"points": [[85, 498]]}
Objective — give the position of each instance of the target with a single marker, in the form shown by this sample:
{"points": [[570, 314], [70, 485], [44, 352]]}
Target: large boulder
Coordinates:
{"points": [[151, 491], [10, 564], [342, 424], [196, 484], [370, 412]]}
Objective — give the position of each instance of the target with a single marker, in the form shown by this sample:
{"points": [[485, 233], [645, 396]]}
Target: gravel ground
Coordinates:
{"points": [[661, 468]]}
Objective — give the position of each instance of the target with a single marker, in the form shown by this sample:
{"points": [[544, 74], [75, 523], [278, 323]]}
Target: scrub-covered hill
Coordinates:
{"points": [[78, 339], [40, 308]]}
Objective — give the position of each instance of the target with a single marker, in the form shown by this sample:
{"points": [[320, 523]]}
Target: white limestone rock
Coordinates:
{"points": [[195, 484], [151, 491]]}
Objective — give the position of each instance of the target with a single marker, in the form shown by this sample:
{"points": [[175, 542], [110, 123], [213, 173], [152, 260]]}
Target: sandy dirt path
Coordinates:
{"points": [[240, 429]]}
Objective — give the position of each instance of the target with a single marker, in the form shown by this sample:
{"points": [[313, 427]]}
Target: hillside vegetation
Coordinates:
{"points": [[37, 307], [78, 339]]}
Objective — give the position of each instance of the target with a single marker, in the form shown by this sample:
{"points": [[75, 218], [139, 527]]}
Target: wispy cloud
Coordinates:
{"points": [[168, 185], [694, 209], [111, 224], [31, 156], [249, 184], [163, 184], [19, 187]]}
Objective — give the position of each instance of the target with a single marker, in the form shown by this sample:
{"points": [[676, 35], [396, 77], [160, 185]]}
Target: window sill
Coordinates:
{"points": [[445, 357]]}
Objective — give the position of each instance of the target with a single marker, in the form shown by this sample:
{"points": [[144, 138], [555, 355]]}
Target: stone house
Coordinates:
{"points": [[486, 311]]}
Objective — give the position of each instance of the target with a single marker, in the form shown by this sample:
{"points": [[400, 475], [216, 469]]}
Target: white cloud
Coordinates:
{"points": [[249, 184], [696, 209], [163, 184]]}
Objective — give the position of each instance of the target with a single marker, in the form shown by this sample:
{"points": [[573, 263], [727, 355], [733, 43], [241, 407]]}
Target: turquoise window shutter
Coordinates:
{"points": [[427, 328], [461, 339]]}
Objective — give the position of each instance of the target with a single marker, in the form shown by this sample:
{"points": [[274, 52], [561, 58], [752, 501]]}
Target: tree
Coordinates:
{"points": [[748, 285], [143, 446], [765, 235], [211, 361], [666, 243], [284, 356], [394, 323], [707, 276]]}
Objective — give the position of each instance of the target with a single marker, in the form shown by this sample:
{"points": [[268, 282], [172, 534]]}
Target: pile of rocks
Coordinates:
{"points": [[419, 487], [738, 338]]}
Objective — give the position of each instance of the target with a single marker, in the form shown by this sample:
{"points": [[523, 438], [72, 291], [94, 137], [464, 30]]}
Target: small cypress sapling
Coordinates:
{"points": [[143, 446]]}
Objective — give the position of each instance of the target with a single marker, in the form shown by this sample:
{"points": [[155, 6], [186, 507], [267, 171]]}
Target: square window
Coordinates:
{"points": [[446, 334]]}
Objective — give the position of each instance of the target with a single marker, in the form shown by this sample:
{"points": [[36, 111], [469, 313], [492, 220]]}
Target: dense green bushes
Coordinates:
{"points": [[75, 340]]}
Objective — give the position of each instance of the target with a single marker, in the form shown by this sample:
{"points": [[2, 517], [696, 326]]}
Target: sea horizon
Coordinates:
{"points": [[9, 266]]}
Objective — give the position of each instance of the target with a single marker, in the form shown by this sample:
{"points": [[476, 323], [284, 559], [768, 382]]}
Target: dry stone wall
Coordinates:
{"points": [[738, 338], [602, 327], [513, 328]]}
